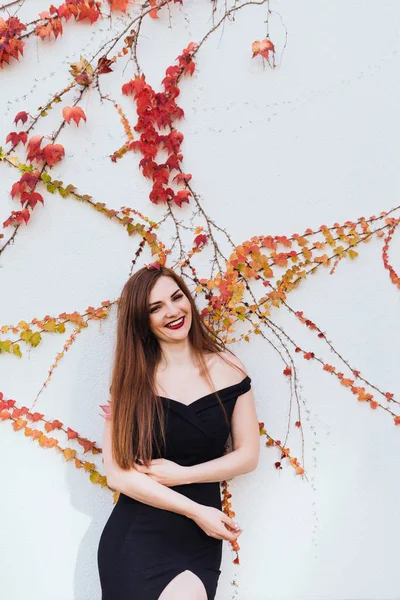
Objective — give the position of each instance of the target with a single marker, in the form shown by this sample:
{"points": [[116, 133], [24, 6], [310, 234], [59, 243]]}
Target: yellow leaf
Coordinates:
{"points": [[94, 477], [16, 350], [88, 466], [35, 339], [50, 325], [42, 440], [26, 335]]}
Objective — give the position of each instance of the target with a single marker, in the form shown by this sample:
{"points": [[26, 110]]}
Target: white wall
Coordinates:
{"points": [[271, 152]]}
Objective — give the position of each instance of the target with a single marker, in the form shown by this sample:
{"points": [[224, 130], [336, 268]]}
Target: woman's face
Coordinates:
{"points": [[169, 310]]}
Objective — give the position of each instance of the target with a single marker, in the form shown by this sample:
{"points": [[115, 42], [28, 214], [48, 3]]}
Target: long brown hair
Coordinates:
{"points": [[137, 413]]}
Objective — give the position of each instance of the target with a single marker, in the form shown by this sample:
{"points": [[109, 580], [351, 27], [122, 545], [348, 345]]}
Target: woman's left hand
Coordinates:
{"points": [[164, 471]]}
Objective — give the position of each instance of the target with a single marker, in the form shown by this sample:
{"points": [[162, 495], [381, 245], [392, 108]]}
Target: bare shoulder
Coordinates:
{"points": [[232, 374]]}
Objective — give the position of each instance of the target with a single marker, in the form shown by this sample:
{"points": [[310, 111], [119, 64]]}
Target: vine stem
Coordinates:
{"points": [[11, 4]]}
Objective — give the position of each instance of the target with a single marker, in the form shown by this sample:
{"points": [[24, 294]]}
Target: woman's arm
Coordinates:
{"points": [[212, 521], [143, 488]]}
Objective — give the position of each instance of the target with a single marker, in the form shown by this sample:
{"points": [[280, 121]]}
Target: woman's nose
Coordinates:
{"points": [[171, 310]]}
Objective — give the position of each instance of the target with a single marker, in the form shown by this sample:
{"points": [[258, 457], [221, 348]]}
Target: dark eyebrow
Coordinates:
{"points": [[173, 294]]}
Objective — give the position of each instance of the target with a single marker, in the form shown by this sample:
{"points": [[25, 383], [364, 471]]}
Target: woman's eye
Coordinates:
{"points": [[175, 298]]}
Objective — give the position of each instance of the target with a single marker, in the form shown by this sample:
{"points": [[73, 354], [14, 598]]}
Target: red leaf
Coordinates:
{"points": [[160, 175], [87, 445], [21, 116], [34, 152], [181, 196], [182, 177], [17, 217], [154, 265], [52, 154], [147, 165], [172, 141], [32, 198], [104, 65], [173, 161], [71, 434], [200, 240], [15, 137], [135, 86]]}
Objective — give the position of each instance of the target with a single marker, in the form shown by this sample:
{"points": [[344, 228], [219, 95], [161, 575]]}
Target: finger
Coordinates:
{"points": [[228, 521], [229, 536]]}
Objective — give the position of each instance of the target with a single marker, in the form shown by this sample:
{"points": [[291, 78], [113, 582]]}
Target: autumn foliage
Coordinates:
{"points": [[154, 144]]}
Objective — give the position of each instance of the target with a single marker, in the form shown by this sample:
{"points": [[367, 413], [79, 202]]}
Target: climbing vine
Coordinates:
{"points": [[231, 305]]}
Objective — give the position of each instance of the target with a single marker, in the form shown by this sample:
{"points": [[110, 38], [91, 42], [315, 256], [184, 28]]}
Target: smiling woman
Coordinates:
{"points": [[164, 445], [177, 312]]}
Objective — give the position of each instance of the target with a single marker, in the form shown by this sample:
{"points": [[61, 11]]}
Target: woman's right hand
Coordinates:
{"points": [[216, 523]]}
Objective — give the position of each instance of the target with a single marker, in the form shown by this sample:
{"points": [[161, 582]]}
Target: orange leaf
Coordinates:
{"points": [[75, 113], [19, 424], [69, 454], [121, 5], [263, 48]]}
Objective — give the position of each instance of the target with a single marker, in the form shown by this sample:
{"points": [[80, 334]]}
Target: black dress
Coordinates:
{"points": [[142, 548]]}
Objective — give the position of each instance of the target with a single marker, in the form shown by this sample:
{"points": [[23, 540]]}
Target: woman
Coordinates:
{"points": [[165, 435]]}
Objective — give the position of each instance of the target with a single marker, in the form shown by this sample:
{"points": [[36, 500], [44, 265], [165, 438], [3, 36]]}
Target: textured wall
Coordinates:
{"points": [[271, 152]]}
